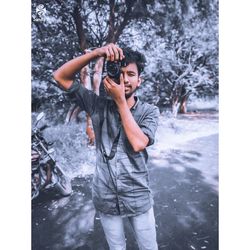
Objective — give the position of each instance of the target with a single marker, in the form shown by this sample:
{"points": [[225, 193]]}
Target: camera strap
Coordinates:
{"points": [[113, 150]]}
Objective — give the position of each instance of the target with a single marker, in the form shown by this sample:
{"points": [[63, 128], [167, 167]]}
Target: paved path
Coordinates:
{"points": [[186, 206]]}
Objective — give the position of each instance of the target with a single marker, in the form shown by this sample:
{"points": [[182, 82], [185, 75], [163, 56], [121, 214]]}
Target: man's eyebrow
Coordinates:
{"points": [[131, 71]]}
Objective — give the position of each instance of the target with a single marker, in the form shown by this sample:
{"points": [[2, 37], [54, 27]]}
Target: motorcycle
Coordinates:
{"points": [[46, 173]]}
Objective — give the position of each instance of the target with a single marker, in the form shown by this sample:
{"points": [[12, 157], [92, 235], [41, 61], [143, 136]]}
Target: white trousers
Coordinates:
{"points": [[143, 226]]}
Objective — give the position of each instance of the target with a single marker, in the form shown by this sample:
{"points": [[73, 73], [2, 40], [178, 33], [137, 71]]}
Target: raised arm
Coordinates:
{"points": [[136, 135], [66, 73]]}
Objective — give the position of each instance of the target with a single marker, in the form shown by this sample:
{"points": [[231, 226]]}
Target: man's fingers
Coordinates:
{"points": [[110, 82], [120, 53], [121, 80], [111, 52], [107, 54], [116, 51], [107, 82], [116, 55]]}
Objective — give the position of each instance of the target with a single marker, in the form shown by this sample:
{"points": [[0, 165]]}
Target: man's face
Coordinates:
{"points": [[131, 79]]}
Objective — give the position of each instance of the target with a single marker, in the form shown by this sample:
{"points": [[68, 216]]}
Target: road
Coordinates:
{"points": [[184, 183]]}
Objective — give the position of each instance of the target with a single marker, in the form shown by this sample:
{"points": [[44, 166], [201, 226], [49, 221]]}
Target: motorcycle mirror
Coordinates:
{"points": [[40, 116], [51, 150]]}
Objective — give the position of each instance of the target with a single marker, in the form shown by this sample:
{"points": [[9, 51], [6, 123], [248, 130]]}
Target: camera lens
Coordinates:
{"points": [[113, 70]]}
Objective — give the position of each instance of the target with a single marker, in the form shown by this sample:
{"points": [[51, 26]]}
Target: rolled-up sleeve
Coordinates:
{"points": [[149, 123], [86, 99]]}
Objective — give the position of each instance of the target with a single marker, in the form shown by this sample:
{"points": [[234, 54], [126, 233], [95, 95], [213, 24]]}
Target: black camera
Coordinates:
{"points": [[114, 69]]}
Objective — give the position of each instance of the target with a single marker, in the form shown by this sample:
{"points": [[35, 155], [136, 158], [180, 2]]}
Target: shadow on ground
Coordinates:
{"points": [[186, 211]]}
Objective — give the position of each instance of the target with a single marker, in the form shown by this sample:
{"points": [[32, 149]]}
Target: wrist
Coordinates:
{"points": [[121, 102], [97, 53]]}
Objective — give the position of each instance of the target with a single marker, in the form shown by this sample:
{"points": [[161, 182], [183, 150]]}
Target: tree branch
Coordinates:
{"points": [[101, 37], [121, 27], [111, 22], [186, 72], [79, 27]]}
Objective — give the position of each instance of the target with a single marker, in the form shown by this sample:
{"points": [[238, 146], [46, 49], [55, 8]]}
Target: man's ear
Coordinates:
{"points": [[139, 81]]}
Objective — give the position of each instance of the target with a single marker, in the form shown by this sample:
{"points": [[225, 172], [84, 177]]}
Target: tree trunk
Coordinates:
{"points": [[79, 28], [183, 106], [179, 100], [183, 102]]}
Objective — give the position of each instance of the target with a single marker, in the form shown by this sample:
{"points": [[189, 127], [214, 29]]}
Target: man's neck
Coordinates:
{"points": [[131, 101]]}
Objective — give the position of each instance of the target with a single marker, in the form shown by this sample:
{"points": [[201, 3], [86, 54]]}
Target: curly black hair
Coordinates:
{"points": [[132, 56]]}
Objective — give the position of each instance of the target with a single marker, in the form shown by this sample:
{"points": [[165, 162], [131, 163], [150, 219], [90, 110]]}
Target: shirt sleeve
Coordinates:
{"points": [[149, 123], [86, 99]]}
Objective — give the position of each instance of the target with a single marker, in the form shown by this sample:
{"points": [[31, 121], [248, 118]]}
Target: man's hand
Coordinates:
{"points": [[111, 51], [116, 91]]}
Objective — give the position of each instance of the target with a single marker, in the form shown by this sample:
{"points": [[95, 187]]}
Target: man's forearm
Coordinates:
{"points": [[66, 73], [135, 135]]}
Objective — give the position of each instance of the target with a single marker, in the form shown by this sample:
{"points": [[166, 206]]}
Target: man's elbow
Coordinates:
{"points": [[62, 82], [138, 147], [56, 76]]}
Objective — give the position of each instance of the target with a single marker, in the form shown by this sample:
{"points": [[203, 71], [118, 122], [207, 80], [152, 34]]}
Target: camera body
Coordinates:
{"points": [[114, 69]]}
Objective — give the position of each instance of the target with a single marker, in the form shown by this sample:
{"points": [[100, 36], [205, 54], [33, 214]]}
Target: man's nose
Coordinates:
{"points": [[125, 76]]}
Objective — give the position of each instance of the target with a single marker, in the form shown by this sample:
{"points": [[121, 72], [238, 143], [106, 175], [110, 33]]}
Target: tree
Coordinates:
{"points": [[69, 28], [187, 58], [178, 38]]}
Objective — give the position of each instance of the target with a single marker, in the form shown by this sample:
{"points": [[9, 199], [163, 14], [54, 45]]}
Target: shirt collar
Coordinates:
{"points": [[136, 103]]}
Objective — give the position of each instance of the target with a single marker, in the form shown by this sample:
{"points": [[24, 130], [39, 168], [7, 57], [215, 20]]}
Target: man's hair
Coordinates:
{"points": [[136, 57]]}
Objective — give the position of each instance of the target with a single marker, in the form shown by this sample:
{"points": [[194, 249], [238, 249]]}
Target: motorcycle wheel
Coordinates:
{"points": [[63, 185], [34, 193], [35, 186]]}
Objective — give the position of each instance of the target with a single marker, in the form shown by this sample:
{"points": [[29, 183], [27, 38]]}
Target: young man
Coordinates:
{"points": [[124, 127]]}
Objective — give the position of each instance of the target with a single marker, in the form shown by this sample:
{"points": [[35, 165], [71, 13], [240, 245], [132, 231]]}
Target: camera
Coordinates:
{"points": [[114, 69]]}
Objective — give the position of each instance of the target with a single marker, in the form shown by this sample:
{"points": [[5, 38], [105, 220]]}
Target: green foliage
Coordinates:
{"points": [[182, 60], [179, 39]]}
